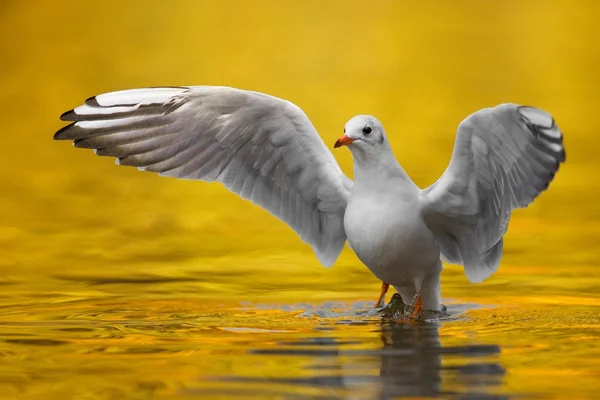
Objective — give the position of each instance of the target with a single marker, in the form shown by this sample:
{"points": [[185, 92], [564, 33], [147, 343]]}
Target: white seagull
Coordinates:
{"points": [[266, 150]]}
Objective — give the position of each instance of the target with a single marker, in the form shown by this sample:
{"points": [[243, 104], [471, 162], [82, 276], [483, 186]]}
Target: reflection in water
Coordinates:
{"points": [[413, 363], [409, 361]]}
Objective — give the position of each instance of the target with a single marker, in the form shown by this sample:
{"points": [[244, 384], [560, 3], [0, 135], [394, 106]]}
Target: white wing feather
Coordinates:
{"points": [[503, 158], [263, 148]]}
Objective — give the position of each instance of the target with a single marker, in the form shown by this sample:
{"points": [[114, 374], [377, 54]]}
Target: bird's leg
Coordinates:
{"points": [[381, 299], [417, 305], [430, 294]]}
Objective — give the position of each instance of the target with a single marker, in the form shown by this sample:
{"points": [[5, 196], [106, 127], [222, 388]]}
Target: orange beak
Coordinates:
{"points": [[343, 141]]}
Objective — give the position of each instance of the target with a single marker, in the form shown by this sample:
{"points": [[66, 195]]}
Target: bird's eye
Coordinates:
{"points": [[367, 130]]}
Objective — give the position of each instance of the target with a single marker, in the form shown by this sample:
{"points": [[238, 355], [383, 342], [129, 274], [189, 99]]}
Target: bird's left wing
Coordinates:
{"points": [[263, 148], [503, 158]]}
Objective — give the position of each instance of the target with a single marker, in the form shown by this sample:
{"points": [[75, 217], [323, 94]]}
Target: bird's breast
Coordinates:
{"points": [[390, 237]]}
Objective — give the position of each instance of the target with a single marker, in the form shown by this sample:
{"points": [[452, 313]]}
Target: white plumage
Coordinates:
{"points": [[266, 150]]}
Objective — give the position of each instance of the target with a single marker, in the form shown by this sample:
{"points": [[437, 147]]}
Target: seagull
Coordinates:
{"points": [[266, 149]]}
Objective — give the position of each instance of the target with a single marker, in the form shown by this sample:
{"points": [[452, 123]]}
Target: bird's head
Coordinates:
{"points": [[363, 134]]}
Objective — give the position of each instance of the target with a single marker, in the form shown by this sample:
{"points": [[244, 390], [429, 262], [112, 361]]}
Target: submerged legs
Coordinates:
{"points": [[423, 297]]}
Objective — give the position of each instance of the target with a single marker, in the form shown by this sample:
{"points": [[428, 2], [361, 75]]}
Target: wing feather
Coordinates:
{"points": [[503, 158], [263, 148]]}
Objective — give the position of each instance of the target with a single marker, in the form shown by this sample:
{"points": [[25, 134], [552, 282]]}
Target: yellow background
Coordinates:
{"points": [[419, 67]]}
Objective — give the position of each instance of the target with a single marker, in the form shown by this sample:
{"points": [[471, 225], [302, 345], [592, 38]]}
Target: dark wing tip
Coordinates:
{"points": [[547, 131], [82, 143], [60, 135], [69, 116], [91, 101], [536, 116]]}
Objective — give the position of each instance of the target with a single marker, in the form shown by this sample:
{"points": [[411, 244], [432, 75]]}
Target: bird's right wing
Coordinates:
{"points": [[263, 148]]}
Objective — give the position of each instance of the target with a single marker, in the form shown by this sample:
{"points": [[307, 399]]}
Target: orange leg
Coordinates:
{"points": [[381, 299], [417, 307]]}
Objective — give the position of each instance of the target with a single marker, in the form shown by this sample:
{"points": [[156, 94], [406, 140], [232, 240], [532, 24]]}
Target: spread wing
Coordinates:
{"points": [[263, 148], [503, 158]]}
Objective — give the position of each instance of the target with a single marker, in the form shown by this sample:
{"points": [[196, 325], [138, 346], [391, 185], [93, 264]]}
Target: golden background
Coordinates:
{"points": [[75, 226]]}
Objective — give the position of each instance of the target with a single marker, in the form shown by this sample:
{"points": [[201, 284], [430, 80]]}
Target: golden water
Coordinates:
{"points": [[122, 285]]}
